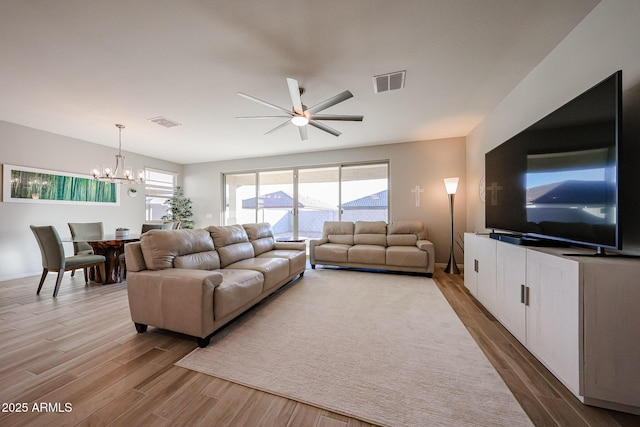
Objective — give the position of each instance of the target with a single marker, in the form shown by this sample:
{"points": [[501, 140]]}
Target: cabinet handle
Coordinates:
{"points": [[476, 264], [522, 294], [526, 295]]}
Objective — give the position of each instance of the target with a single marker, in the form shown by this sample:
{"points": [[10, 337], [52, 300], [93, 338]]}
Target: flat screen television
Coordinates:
{"points": [[559, 178]]}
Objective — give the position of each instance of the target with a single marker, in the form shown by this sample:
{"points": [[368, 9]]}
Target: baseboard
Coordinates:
{"points": [[19, 276]]}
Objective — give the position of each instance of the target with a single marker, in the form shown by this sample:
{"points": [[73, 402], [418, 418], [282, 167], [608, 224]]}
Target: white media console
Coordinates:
{"points": [[579, 315]]}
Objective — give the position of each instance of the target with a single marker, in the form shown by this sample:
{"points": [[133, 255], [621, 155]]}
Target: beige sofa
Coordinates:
{"points": [[399, 246], [196, 281]]}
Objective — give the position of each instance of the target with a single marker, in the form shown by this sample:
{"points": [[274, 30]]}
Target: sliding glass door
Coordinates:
{"points": [[297, 202], [319, 197], [276, 202], [364, 191], [239, 190]]}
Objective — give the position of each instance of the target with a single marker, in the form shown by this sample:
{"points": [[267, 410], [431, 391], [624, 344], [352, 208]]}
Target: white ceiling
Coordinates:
{"points": [[77, 67]]}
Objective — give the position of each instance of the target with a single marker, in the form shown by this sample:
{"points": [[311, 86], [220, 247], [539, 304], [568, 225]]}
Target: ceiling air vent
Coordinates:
{"points": [[387, 82], [163, 121]]}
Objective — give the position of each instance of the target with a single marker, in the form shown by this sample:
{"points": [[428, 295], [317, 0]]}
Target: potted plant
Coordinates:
{"points": [[122, 232], [179, 209]]}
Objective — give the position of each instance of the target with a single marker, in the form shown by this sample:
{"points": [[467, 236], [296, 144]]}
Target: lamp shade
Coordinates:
{"points": [[451, 185]]}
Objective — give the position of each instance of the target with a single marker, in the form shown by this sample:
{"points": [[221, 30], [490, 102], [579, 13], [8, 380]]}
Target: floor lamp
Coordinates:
{"points": [[451, 185]]}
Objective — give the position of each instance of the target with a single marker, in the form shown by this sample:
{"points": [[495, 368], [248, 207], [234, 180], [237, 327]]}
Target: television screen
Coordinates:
{"points": [[558, 179]]}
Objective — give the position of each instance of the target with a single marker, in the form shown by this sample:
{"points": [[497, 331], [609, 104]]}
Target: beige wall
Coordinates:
{"points": [[22, 146], [604, 42], [423, 163]]}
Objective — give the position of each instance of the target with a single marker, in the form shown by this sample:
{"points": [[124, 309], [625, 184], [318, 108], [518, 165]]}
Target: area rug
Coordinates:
{"points": [[384, 348]]}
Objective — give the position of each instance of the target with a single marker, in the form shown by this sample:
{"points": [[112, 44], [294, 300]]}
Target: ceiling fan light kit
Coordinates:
{"points": [[299, 120], [300, 115]]}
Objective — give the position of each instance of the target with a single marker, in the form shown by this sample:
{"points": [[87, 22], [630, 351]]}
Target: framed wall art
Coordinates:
{"points": [[29, 185]]}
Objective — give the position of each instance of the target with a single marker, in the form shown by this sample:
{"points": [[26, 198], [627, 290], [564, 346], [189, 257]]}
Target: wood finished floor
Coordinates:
{"points": [[81, 348]]}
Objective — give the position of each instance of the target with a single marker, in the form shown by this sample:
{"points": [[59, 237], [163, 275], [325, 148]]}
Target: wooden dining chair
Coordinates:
{"points": [[53, 257], [84, 231]]}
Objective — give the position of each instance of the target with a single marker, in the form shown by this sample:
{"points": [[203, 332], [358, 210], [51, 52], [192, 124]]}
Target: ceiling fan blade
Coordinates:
{"points": [[294, 92], [303, 133], [347, 118], [260, 101], [330, 102], [278, 127], [324, 128], [263, 117]]}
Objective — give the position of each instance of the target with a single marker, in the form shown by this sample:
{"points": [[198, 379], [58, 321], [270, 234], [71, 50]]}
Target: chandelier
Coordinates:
{"points": [[120, 174]]}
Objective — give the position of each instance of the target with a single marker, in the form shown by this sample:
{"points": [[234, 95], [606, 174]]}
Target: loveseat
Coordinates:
{"points": [[399, 246], [196, 281]]}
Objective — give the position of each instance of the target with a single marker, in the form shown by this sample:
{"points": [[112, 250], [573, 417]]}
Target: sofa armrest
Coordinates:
{"points": [[295, 246], [177, 299], [312, 246], [427, 246], [134, 257], [316, 242]]}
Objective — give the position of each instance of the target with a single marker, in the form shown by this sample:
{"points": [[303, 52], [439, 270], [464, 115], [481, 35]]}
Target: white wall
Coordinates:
{"points": [[22, 146], [423, 163], [604, 42]]}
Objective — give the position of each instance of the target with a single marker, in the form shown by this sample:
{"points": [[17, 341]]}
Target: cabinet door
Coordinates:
{"points": [[611, 331], [553, 315], [470, 263], [487, 274], [480, 261], [510, 286]]}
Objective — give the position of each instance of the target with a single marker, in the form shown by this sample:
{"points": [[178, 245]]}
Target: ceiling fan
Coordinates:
{"points": [[300, 115]]}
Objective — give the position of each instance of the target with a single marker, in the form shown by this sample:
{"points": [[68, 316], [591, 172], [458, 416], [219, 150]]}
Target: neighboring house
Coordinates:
{"points": [[277, 209], [374, 207]]}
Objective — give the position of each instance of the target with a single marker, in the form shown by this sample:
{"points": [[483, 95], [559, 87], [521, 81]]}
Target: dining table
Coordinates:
{"points": [[111, 247]]}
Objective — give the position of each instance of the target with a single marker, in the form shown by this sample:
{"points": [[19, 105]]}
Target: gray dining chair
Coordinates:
{"points": [[157, 226], [53, 257], [84, 231]]}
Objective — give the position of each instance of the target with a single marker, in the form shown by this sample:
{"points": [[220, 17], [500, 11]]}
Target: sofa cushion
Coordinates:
{"points": [[340, 232], [408, 227], [297, 259], [332, 252], [225, 235], [402, 240], [405, 233], [370, 233], [260, 236], [274, 270], [232, 243], [208, 260], [161, 247], [370, 227], [406, 256], [367, 254], [238, 287]]}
